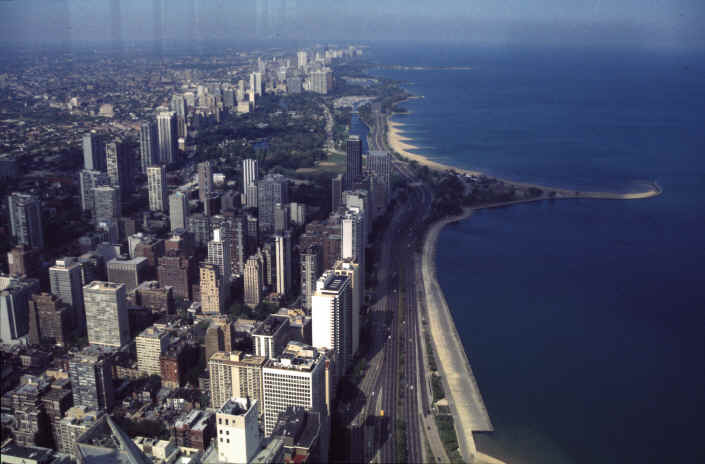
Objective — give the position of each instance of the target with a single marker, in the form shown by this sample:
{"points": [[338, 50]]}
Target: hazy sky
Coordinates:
{"points": [[641, 23]]}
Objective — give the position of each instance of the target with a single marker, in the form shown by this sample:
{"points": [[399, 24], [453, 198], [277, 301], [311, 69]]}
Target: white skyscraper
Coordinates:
{"points": [[302, 59], [106, 313], [238, 434], [331, 316], [250, 174], [178, 211], [354, 237], [219, 256], [156, 182], [283, 257], [168, 136]]}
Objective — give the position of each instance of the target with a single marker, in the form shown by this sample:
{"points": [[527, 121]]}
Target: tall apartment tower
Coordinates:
{"points": [[238, 434], [219, 256], [310, 272], [353, 160], [347, 267], [89, 180], [354, 237], [49, 320], [178, 211], [65, 278], [271, 190], [239, 245], [107, 206], [282, 217], [331, 316], [234, 374], [205, 180], [212, 290], [250, 174], [283, 257], [26, 219], [168, 136], [90, 371], [149, 346], [14, 296], [336, 192], [120, 167], [156, 183], [149, 145], [297, 378], [178, 105], [253, 282], [379, 164], [93, 152], [301, 59], [106, 314]]}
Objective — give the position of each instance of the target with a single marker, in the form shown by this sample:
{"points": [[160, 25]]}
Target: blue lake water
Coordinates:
{"points": [[584, 320]]}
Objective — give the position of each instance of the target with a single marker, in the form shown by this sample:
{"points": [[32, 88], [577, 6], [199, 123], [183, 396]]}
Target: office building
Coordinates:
{"points": [[106, 313], [219, 256], [121, 169], [199, 226], [297, 214], [93, 152], [149, 346], [66, 281], [107, 204], [195, 429], [205, 180], [331, 315], [177, 272], [156, 298], [178, 211], [336, 192], [88, 180], [250, 175], [322, 81], [30, 422], [299, 377], [219, 336], [24, 261], [91, 374], [149, 145], [301, 59], [271, 190], [354, 237], [353, 160], [127, 271], [234, 374], [283, 257], [281, 218], [15, 294], [77, 421], [310, 262], [157, 186], [213, 292], [256, 83], [253, 282], [379, 164], [49, 320], [26, 219], [351, 269], [252, 226], [238, 432], [168, 136], [178, 105], [271, 336], [239, 245]]}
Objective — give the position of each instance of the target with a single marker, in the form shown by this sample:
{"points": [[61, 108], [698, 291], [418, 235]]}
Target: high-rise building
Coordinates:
{"points": [[351, 269], [354, 237], [168, 136], [253, 282], [93, 152], [239, 245], [106, 313], [283, 257], [14, 310], [298, 377], [77, 421], [353, 160], [271, 190], [49, 320], [199, 226], [205, 180], [379, 164], [178, 105], [24, 261], [213, 295], [310, 261], [322, 81], [107, 206], [127, 271], [89, 180], [271, 336], [121, 167], [238, 436], [233, 374], [336, 192], [301, 59], [331, 315], [178, 211], [250, 175], [26, 219], [149, 145], [256, 83], [219, 255], [65, 278], [281, 218], [297, 213], [251, 197], [91, 374], [252, 224], [156, 182], [178, 272], [149, 346]]}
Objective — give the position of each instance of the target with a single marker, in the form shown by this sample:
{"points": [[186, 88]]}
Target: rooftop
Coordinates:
{"points": [[270, 325], [102, 285], [238, 357], [237, 406]]}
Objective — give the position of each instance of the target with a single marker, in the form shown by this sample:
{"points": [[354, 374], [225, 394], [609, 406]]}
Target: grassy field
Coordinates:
{"points": [[335, 164]]}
